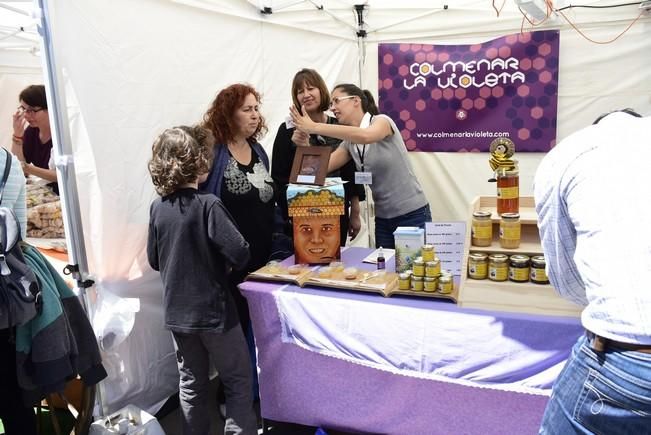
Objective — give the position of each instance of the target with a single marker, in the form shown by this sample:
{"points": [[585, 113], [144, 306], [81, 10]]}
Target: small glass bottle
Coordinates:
{"points": [[381, 262], [538, 272], [477, 265], [519, 268], [508, 191], [482, 228], [510, 231], [498, 267]]}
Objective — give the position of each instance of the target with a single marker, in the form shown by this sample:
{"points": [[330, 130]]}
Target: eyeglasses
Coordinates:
{"points": [[30, 110], [336, 100]]}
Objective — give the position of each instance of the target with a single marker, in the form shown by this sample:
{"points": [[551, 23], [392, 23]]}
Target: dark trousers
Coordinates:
{"points": [[17, 417], [228, 353]]}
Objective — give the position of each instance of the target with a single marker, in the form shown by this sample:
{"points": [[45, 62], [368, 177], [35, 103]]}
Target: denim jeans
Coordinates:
{"points": [[229, 354], [601, 392], [384, 228]]}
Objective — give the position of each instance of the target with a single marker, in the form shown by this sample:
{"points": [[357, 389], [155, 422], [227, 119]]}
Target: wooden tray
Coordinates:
{"points": [[382, 282]]}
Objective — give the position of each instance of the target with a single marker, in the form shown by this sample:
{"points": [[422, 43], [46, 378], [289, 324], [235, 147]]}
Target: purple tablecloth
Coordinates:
{"points": [[301, 386]]}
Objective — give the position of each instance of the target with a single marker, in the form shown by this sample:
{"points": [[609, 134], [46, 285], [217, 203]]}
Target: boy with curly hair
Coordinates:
{"points": [[194, 244]]}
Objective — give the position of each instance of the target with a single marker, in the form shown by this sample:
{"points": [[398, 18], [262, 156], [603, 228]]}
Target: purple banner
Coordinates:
{"points": [[461, 97]]}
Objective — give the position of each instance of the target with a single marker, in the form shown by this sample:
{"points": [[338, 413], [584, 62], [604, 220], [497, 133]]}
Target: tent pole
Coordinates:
{"points": [[361, 54], [65, 167], [361, 60]]}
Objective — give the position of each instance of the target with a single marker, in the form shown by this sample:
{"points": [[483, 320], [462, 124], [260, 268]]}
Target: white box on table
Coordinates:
{"points": [[408, 241]]}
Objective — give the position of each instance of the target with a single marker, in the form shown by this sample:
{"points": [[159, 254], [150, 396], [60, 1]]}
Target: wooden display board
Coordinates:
{"points": [[526, 297], [382, 282]]}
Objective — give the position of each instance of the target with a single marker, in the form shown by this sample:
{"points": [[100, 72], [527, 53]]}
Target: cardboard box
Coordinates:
{"points": [[408, 241], [315, 213]]}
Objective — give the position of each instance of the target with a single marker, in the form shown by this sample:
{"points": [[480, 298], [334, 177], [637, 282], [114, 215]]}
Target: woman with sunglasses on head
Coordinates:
{"points": [[32, 139], [374, 143], [310, 92]]}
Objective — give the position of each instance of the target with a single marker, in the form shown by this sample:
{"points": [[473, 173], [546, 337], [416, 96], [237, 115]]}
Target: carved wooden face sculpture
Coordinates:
{"points": [[316, 239]]}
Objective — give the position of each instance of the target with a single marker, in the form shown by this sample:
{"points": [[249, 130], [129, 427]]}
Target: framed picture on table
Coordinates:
{"points": [[310, 165]]}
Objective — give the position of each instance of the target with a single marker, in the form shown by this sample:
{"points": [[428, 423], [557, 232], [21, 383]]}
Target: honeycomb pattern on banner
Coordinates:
{"points": [[460, 97]]}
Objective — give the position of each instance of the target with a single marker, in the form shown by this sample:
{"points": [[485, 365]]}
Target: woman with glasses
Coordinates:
{"points": [[310, 92], [374, 143], [32, 139]]}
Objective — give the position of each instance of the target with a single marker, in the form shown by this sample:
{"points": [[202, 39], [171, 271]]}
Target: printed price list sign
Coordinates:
{"points": [[448, 239]]}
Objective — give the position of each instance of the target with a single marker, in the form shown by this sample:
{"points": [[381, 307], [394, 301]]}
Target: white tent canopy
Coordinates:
{"points": [[131, 69], [20, 64]]}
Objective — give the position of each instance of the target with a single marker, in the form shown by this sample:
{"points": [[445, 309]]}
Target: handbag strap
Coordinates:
{"points": [[6, 174]]}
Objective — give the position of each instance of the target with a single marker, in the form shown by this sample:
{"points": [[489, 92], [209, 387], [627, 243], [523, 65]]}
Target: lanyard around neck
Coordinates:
{"points": [[362, 153]]}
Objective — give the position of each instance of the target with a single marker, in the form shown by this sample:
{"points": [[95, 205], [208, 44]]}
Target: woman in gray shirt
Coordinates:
{"points": [[374, 143]]}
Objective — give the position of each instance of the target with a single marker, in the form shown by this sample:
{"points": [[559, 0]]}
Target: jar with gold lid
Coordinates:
{"points": [[481, 228], [428, 252], [519, 268], [430, 284], [445, 285], [498, 267], [477, 265], [510, 230], [404, 281], [433, 268], [418, 267], [538, 273], [417, 283]]}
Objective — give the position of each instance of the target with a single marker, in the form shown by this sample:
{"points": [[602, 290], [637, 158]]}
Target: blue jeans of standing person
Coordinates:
{"points": [[601, 392], [228, 352], [384, 228]]}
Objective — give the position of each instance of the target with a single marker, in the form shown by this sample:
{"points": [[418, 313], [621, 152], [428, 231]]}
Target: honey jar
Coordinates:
{"points": [[445, 284], [404, 281], [508, 191], [510, 230], [430, 284], [428, 253], [477, 265], [519, 268], [481, 228], [433, 268], [418, 267], [538, 273], [416, 283], [498, 267]]}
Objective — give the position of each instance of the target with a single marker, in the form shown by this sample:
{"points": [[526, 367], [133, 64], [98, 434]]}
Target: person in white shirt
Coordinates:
{"points": [[593, 198]]}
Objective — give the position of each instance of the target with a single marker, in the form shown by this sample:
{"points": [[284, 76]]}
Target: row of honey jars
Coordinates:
{"points": [[431, 268], [500, 267], [443, 283], [482, 230]]}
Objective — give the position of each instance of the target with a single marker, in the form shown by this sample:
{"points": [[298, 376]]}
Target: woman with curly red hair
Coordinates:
{"points": [[240, 177]]}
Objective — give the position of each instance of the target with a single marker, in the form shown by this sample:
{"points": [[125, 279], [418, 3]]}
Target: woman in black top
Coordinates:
{"points": [[240, 178], [310, 92]]}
